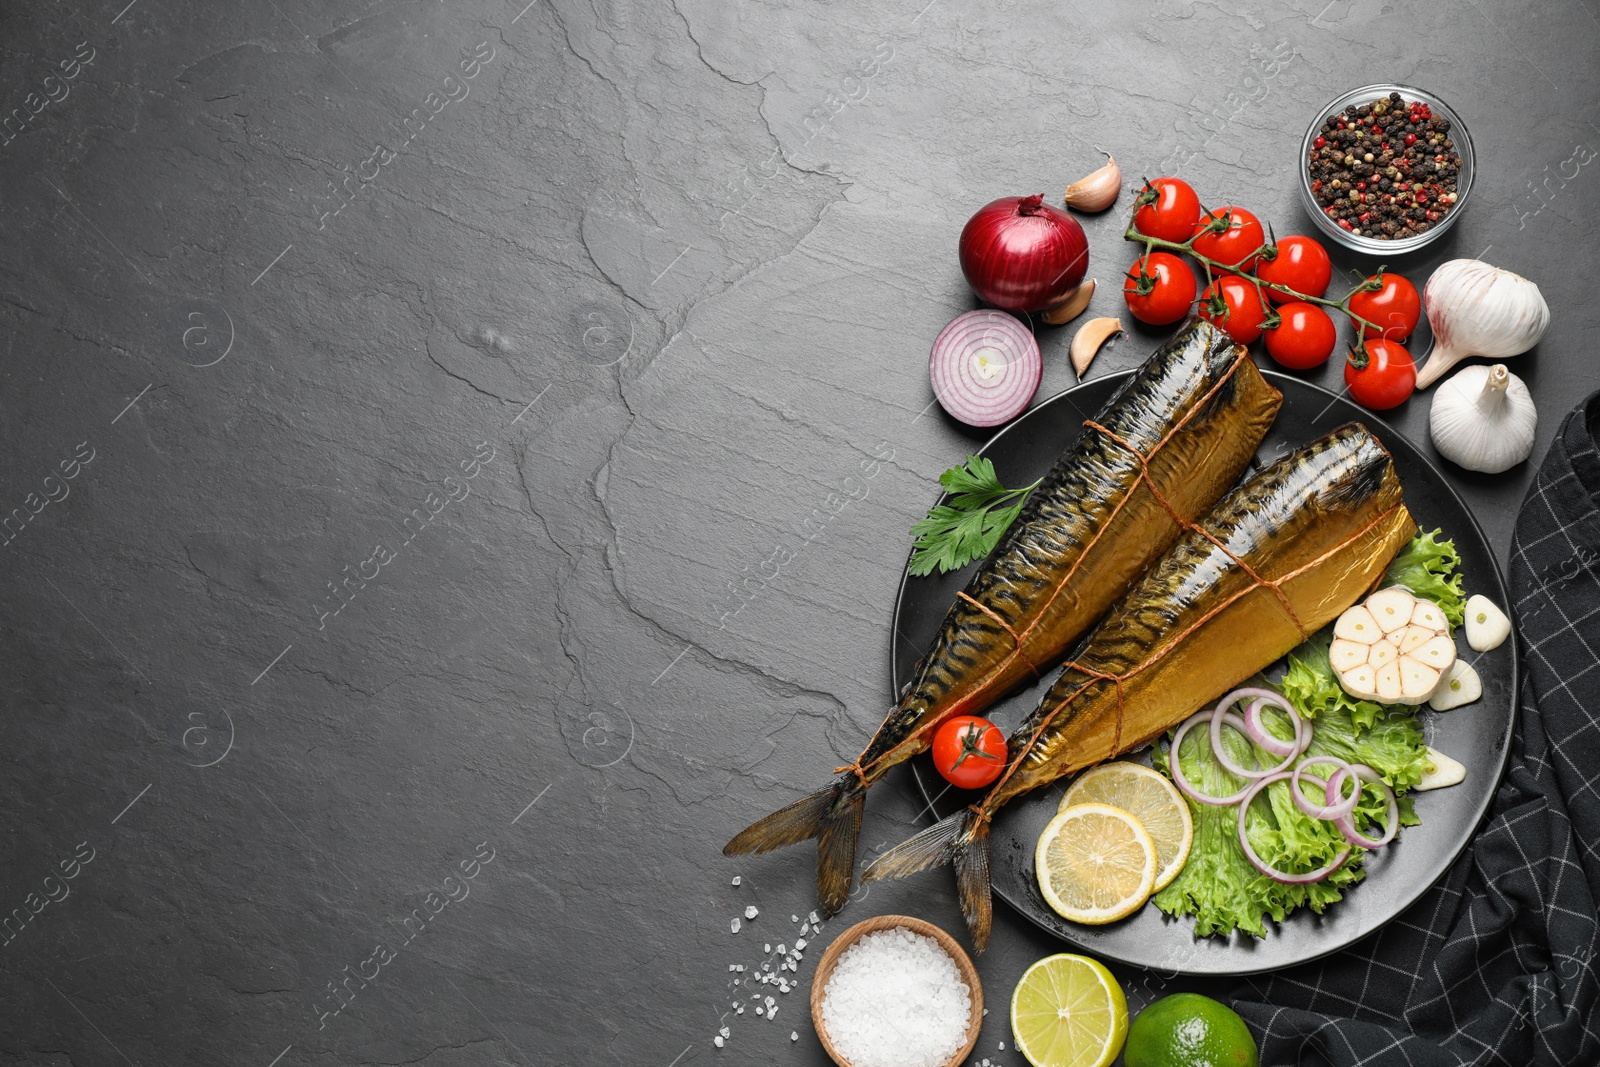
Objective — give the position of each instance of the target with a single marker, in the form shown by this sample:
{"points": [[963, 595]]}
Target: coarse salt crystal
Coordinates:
{"points": [[794, 1035], [738, 1009], [896, 999], [717, 1041], [794, 918], [737, 879], [735, 924], [760, 1010], [772, 1013], [800, 944], [766, 947], [782, 950], [725, 1032], [813, 918], [751, 912], [1002, 1046]]}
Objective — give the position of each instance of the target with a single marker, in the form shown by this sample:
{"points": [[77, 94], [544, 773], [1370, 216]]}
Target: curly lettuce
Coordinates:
{"points": [[1218, 885]]}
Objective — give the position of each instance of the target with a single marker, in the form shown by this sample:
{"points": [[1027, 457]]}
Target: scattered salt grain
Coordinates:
{"points": [[735, 924], [760, 1010], [751, 912], [782, 951], [1002, 1046], [813, 918], [794, 1035], [794, 918], [737, 879], [896, 999], [772, 1013], [738, 1009], [766, 947], [800, 944], [717, 1041]]}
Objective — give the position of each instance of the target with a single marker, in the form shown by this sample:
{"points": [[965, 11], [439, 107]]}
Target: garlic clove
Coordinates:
{"points": [[1479, 310], [1357, 624], [1442, 771], [1487, 625], [1382, 653], [1096, 191], [1428, 614], [1361, 683], [1389, 683], [1460, 685], [1483, 419], [1070, 306], [1417, 681], [1414, 637], [1391, 608], [1087, 341], [1344, 655]]}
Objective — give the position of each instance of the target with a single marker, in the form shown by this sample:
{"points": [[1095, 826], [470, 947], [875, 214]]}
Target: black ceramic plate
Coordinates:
{"points": [[1478, 735]]}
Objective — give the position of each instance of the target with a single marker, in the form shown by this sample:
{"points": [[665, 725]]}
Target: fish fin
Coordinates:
{"points": [[832, 815], [961, 840]]}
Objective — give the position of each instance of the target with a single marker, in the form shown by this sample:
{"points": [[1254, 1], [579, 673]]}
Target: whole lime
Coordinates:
{"points": [[1189, 1030]]}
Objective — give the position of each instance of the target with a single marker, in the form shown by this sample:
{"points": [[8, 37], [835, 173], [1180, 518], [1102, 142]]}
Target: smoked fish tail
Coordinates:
{"points": [[962, 840], [832, 816]]}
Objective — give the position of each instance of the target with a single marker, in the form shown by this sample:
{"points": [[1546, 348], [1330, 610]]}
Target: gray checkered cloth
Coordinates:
{"points": [[1496, 964]]}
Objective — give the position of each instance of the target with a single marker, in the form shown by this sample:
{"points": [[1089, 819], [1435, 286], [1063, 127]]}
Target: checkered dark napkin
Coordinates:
{"points": [[1496, 964]]}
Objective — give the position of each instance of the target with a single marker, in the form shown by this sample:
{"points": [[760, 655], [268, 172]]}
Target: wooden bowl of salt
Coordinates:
{"points": [[908, 1034]]}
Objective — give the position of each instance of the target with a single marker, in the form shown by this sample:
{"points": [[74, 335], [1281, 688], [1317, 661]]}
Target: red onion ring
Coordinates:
{"points": [[1347, 825], [1175, 765], [1220, 718], [985, 367], [1256, 861], [1333, 786], [1257, 731]]}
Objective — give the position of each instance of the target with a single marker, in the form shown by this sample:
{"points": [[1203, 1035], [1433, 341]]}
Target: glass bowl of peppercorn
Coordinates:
{"points": [[1386, 169]]}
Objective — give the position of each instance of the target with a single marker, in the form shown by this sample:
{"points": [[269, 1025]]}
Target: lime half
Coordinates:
{"points": [[1068, 1011]]}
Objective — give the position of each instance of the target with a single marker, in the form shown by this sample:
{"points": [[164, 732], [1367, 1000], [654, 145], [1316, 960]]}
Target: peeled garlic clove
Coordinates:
{"points": [[1460, 685], [1391, 608], [1087, 341], [1442, 771], [1096, 191], [1070, 306], [1487, 625]]}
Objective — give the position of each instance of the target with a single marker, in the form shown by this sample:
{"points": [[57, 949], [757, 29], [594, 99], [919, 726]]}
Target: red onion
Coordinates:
{"points": [[1177, 768], [985, 367], [1326, 811], [1219, 719], [1256, 861], [1021, 254], [1257, 731], [1347, 825]]}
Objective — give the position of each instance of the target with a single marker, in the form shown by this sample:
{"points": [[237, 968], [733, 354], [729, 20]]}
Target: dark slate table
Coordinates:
{"points": [[459, 458]]}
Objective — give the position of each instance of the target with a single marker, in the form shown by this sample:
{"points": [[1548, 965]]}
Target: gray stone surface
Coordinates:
{"points": [[618, 300]]}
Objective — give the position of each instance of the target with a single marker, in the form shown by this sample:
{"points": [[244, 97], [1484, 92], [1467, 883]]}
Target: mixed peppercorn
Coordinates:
{"points": [[1385, 170]]}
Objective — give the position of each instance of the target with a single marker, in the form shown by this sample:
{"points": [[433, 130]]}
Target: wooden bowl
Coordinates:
{"points": [[830, 959]]}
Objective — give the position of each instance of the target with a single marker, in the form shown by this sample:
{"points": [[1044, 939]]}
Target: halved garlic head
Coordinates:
{"points": [[1392, 648]]}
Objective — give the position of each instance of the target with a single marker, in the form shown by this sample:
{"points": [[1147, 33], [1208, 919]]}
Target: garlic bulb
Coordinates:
{"points": [[1483, 419], [1479, 310]]}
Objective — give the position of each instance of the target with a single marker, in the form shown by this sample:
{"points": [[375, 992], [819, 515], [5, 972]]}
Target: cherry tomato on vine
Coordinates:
{"points": [[969, 751], [1304, 339], [1168, 209], [1235, 246], [1302, 264], [1241, 319], [1394, 306], [1159, 288], [1389, 376]]}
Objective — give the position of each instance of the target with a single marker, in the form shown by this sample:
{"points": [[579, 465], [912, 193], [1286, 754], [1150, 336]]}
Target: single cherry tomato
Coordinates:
{"points": [[1389, 376], [1302, 264], [1234, 247], [1168, 209], [1304, 339], [1159, 288], [1242, 312], [1394, 307], [969, 751]]}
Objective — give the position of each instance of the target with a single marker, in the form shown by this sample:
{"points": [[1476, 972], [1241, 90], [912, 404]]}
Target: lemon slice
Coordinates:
{"points": [[1068, 1011], [1095, 863], [1148, 797]]}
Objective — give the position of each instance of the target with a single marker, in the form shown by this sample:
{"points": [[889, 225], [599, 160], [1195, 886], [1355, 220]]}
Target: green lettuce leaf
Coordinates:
{"points": [[1431, 569]]}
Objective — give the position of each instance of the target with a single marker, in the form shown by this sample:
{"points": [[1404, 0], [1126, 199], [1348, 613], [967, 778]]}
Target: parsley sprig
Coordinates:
{"points": [[968, 525]]}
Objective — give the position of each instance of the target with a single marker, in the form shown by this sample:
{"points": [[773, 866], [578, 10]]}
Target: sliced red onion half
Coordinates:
{"points": [[1326, 811], [1391, 817], [1175, 764], [985, 367], [1258, 863]]}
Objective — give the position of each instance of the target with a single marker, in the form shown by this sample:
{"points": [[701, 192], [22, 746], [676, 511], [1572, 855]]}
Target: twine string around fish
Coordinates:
{"points": [[1093, 675], [1019, 640]]}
